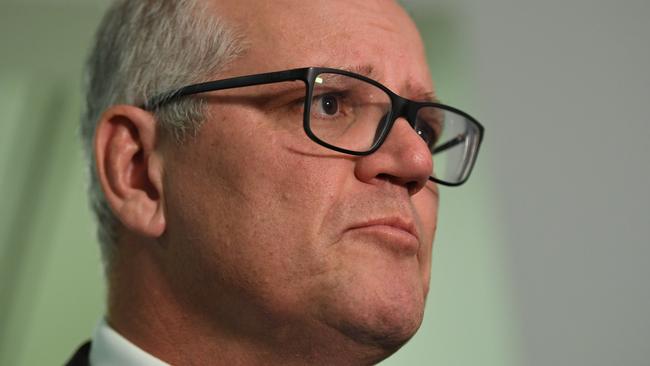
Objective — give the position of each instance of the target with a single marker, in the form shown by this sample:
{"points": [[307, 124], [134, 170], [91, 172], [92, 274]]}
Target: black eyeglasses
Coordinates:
{"points": [[353, 114]]}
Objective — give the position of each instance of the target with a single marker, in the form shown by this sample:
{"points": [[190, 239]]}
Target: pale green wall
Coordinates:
{"points": [[50, 276]]}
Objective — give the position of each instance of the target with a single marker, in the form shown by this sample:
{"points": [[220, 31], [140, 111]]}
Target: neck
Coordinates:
{"points": [[149, 310]]}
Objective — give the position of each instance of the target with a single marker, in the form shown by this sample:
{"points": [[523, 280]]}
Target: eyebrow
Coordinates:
{"points": [[421, 94], [427, 96], [366, 70], [414, 92]]}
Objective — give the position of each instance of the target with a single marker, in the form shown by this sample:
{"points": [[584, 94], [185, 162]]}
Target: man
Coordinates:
{"points": [[283, 214]]}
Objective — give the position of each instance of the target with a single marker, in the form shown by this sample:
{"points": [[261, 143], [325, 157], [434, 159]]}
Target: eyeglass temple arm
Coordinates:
{"points": [[236, 82], [449, 144]]}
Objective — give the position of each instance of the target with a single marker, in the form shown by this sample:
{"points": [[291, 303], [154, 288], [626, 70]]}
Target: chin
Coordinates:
{"points": [[375, 299], [387, 330], [380, 318]]}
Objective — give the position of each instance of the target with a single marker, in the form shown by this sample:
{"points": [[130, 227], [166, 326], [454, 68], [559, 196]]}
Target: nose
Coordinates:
{"points": [[403, 159]]}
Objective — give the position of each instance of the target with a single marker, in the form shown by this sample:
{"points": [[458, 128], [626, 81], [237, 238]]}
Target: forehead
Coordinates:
{"points": [[283, 34]]}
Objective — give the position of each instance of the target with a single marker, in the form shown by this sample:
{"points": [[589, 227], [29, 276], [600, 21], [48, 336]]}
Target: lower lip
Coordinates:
{"points": [[396, 239]]}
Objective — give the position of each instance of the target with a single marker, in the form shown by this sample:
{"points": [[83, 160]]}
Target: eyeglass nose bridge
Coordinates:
{"points": [[400, 108]]}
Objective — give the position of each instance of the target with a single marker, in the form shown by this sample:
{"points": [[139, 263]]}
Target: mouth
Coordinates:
{"points": [[398, 234]]}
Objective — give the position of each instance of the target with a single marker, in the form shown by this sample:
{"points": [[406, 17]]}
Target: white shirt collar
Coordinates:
{"points": [[109, 348]]}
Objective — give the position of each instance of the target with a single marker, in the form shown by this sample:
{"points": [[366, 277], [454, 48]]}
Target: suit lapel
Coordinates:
{"points": [[81, 357]]}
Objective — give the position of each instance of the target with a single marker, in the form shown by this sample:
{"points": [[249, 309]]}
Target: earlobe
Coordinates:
{"points": [[129, 167]]}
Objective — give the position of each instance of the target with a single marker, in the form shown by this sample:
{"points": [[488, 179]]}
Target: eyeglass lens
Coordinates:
{"points": [[352, 114], [347, 112]]}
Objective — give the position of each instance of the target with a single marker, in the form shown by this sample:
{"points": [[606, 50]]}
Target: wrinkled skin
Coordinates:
{"points": [[261, 257]]}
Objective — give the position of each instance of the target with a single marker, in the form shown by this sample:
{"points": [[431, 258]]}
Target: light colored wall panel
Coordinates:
{"points": [[565, 86]]}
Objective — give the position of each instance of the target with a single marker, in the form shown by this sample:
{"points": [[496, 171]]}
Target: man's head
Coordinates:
{"points": [[245, 238]]}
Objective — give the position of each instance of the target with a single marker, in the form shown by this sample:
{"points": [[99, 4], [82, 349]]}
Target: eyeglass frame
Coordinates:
{"points": [[400, 107]]}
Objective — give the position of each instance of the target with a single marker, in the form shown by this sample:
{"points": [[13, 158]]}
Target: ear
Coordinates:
{"points": [[129, 168]]}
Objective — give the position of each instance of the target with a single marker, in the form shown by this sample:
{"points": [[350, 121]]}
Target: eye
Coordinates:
{"points": [[327, 105], [428, 135]]}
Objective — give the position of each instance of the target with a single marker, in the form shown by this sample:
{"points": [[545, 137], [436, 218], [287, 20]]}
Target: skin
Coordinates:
{"points": [[250, 244]]}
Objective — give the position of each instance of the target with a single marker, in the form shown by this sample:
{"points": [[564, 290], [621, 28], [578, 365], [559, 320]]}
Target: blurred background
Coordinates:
{"points": [[542, 258]]}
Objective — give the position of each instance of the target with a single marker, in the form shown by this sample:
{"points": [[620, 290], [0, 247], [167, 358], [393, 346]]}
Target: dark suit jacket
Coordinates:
{"points": [[81, 357]]}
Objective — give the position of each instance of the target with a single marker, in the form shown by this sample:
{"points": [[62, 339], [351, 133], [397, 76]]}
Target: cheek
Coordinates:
{"points": [[257, 204], [425, 203]]}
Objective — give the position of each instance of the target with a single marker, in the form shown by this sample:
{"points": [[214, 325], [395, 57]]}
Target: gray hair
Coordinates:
{"points": [[144, 48]]}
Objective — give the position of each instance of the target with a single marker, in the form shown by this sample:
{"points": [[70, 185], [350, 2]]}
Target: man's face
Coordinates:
{"points": [[266, 230]]}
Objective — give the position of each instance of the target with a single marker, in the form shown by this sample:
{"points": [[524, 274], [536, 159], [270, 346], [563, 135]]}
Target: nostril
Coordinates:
{"points": [[386, 177], [412, 186], [415, 186]]}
